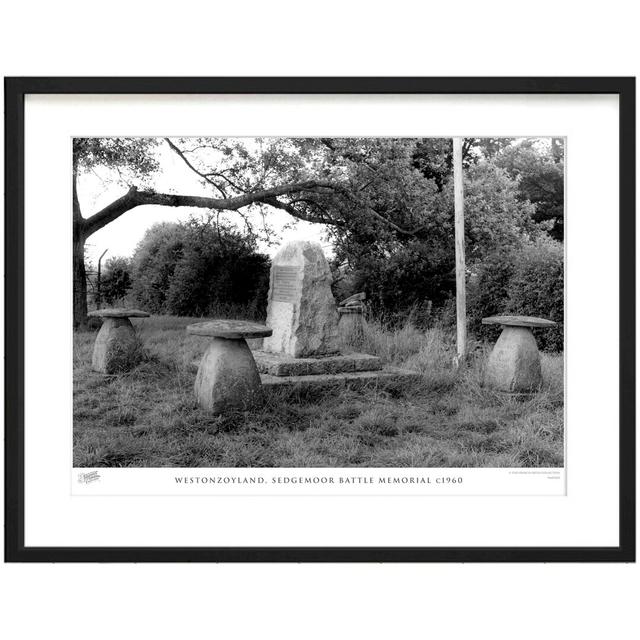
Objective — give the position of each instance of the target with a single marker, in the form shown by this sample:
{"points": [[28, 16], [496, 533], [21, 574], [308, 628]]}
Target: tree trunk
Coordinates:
{"points": [[79, 279], [79, 273]]}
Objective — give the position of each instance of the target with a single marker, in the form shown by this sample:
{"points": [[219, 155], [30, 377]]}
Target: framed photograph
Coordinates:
{"points": [[320, 319]]}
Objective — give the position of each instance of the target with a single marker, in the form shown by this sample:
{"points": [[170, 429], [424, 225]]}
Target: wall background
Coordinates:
{"points": [[327, 601]]}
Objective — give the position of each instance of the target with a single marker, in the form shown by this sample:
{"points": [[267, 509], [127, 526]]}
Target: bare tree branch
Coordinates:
{"points": [[204, 176], [290, 208], [220, 174], [134, 198]]}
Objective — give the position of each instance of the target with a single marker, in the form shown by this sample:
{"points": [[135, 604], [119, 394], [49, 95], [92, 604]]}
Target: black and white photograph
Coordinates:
{"points": [[307, 302], [320, 321], [361, 311]]}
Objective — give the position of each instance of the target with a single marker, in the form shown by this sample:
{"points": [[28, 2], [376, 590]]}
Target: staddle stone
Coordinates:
{"points": [[117, 348], [301, 308], [514, 363], [118, 313], [230, 329], [356, 298], [520, 321], [351, 325], [227, 376]]}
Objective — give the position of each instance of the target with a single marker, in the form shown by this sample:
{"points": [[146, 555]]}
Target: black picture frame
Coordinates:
{"points": [[15, 91]]}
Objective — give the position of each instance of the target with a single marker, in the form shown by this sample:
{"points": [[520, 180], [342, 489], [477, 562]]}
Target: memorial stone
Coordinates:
{"points": [[301, 309]]}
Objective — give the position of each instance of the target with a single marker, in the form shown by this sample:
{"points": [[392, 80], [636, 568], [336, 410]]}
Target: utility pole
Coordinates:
{"points": [[461, 294]]}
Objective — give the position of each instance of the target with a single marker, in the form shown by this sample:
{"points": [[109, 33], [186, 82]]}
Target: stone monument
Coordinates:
{"points": [[301, 312]]}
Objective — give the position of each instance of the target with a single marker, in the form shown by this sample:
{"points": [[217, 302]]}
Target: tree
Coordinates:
{"points": [[352, 183], [541, 180], [524, 279], [153, 263], [116, 280], [433, 157], [403, 272], [132, 159], [198, 268], [371, 193]]}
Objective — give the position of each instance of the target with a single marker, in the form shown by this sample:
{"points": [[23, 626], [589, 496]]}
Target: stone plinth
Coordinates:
{"points": [[117, 348], [281, 364], [303, 350], [514, 363], [301, 309], [387, 377], [227, 376]]}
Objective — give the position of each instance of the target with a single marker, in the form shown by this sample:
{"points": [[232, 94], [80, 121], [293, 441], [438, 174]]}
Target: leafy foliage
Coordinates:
{"points": [[116, 280], [194, 268], [520, 280], [434, 156], [413, 278], [494, 214], [128, 158], [540, 175], [537, 288], [154, 262], [387, 207], [408, 272]]}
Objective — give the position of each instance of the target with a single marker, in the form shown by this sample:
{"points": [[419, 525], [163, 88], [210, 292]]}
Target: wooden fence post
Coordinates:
{"points": [[99, 282]]}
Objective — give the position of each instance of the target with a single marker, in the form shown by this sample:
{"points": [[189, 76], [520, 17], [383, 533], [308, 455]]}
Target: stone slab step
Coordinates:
{"points": [[389, 376], [282, 365]]}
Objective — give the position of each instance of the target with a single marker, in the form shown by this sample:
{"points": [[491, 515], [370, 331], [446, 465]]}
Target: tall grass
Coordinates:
{"points": [[428, 351], [149, 416]]}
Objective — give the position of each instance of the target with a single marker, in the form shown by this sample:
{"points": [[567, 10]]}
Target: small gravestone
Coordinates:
{"points": [[301, 311]]}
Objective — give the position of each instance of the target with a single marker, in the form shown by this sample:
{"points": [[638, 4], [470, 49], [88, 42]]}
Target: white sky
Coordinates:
{"points": [[121, 236]]}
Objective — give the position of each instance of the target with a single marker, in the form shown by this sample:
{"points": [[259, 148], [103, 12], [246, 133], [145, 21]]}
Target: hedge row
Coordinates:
{"points": [[528, 280]]}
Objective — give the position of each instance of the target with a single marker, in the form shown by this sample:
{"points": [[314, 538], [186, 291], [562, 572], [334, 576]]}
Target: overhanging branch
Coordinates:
{"points": [[134, 198], [306, 216]]}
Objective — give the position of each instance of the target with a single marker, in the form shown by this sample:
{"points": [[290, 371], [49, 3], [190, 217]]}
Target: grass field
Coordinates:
{"points": [[149, 418]]}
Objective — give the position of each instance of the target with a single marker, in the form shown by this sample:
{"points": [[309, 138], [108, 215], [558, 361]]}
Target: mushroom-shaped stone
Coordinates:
{"points": [[117, 347], [514, 362], [356, 298], [227, 376]]}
